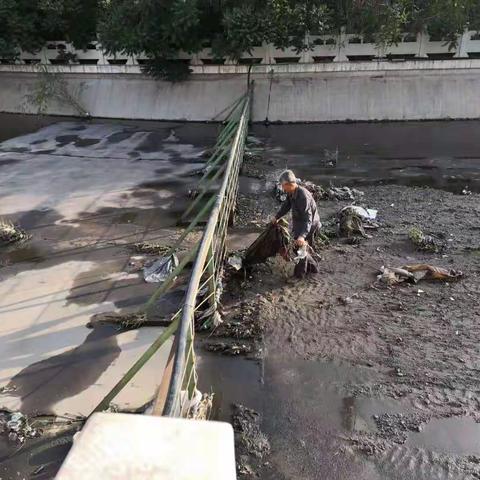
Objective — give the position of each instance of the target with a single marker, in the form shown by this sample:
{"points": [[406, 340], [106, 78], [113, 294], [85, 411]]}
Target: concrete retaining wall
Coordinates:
{"points": [[298, 93]]}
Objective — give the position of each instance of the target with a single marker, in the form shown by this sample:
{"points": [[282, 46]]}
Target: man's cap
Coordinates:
{"points": [[288, 177]]}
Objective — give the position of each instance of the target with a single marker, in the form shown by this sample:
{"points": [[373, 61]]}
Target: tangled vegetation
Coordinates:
{"points": [[158, 29]]}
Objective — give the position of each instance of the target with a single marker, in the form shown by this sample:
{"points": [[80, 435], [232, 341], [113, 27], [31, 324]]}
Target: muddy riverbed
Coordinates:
{"points": [[348, 380], [354, 379]]}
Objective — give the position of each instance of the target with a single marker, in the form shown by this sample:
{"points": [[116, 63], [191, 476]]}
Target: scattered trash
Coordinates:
{"points": [[10, 233], [352, 220], [38, 470], [249, 438], [425, 243], [427, 272], [172, 137], [159, 271], [17, 427], [235, 262], [232, 349], [347, 300], [274, 239], [466, 191], [148, 248], [248, 329], [330, 157], [208, 318], [135, 264], [306, 261], [127, 321], [7, 389], [415, 273], [318, 193], [203, 408], [252, 166], [343, 193], [392, 276]]}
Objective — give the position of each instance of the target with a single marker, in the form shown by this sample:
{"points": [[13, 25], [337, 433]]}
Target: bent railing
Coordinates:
{"points": [[206, 273]]}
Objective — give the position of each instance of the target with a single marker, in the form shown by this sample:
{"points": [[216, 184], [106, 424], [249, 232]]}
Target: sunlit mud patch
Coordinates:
{"points": [[50, 361]]}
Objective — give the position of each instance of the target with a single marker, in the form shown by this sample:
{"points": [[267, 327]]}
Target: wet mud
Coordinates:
{"points": [[86, 192], [360, 381], [43, 384], [355, 381]]}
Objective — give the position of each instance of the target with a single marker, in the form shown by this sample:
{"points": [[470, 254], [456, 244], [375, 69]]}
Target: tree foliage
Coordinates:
{"points": [[28, 24], [157, 30]]}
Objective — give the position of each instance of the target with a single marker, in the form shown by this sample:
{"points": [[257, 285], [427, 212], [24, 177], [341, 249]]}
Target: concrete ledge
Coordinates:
{"points": [[129, 447], [373, 66]]}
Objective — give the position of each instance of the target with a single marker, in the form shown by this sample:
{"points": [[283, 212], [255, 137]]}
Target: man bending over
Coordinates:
{"points": [[306, 222]]}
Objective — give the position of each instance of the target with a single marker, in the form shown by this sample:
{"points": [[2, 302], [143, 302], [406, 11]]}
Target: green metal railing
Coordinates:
{"points": [[207, 269], [179, 382]]}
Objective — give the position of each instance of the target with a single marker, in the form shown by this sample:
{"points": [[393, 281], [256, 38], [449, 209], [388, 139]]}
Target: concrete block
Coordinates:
{"points": [[115, 446]]}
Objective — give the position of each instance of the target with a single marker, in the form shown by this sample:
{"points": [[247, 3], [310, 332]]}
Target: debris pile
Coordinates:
{"points": [[10, 233], [305, 259], [148, 248], [395, 426], [415, 273], [251, 444], [235, 261], [127, 321], [203, 409], [343, 193], [231, 349], [245, 329], [353, 220], [318, 192], [17, 427], [425, 243]]}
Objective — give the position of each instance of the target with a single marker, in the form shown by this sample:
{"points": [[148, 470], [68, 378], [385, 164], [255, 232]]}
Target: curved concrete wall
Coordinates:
{"points": [[288, 93]]}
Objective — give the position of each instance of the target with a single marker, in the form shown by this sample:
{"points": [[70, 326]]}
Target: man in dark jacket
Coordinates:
{"points": [[300, 201]]}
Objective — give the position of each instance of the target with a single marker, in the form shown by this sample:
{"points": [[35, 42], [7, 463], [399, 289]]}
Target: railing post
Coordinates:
{"points": [[212, 283]]}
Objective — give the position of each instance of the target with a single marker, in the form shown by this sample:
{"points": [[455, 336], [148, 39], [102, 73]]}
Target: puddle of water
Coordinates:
{"points": [[316, 390], [231, 379], [460, 435]]}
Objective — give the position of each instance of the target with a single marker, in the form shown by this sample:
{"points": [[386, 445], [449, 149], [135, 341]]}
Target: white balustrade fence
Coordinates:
{"points": [[325, 49]]}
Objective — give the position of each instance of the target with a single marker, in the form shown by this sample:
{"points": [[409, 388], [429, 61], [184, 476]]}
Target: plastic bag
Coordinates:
{"points": [[160, 269], [306, 262]]}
